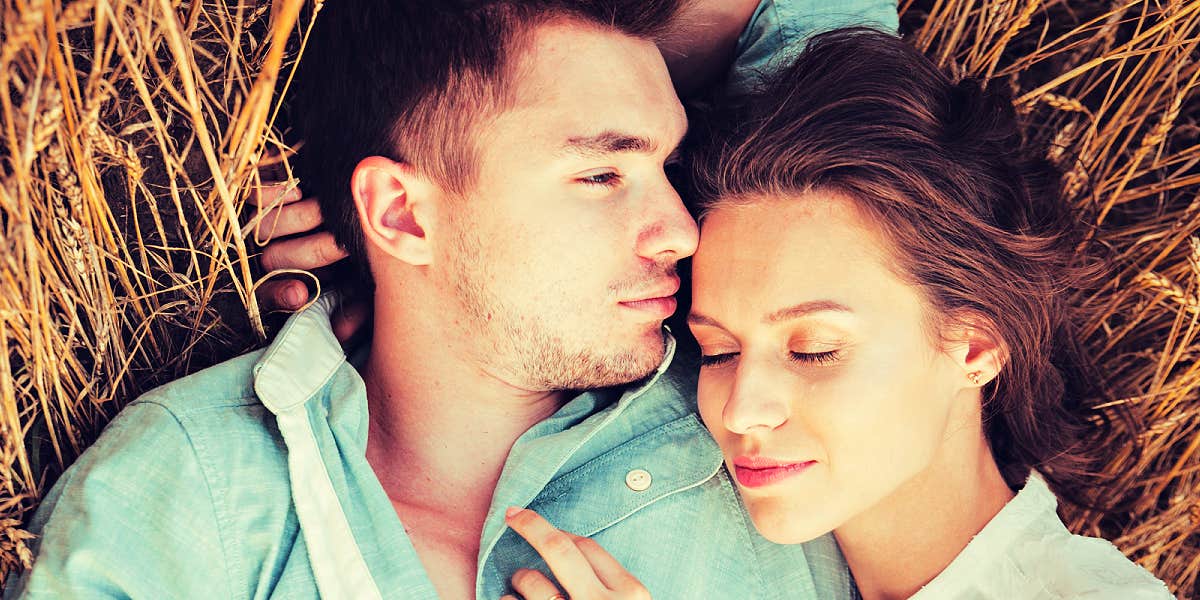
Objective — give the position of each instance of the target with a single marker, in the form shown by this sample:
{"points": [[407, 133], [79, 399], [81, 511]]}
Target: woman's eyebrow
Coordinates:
{"points": [[784, 314], [804, 309], [695, 318]]}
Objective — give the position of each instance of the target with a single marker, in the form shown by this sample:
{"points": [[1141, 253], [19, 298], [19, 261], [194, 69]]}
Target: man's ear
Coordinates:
{"points": [[395, 207], [977, 351]]}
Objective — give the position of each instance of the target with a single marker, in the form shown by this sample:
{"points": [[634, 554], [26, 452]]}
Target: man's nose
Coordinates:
{"points": [[756, 403], [670, 233]]}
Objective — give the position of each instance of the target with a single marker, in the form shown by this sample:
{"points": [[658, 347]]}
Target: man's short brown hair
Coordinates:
{"points": [[411, 80]]}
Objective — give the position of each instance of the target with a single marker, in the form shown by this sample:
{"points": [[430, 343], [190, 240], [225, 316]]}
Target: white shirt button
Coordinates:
{"points": [[638, 480]]}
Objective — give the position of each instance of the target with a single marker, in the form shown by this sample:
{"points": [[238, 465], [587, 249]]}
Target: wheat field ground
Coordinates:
{"points": [[131, 130]]}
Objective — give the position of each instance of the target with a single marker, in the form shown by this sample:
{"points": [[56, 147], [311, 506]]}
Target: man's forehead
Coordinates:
{"points": [[589, 134], [564, 57], [584, 89]]}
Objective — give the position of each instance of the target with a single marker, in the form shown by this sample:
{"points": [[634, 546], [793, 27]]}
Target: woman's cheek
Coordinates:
{"points": [[850, 413], [711, 394]]}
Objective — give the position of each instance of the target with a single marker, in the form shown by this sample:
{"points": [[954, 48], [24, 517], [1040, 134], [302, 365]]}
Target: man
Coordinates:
{"points": [[497, 168]]}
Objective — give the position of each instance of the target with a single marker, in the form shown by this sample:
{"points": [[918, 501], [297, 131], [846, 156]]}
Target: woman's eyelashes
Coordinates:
{"points": [[819, 358], [815, 358], [712, 360]]}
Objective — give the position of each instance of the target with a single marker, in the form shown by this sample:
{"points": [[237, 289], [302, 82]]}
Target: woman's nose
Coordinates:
{"points": [[756, 402]]}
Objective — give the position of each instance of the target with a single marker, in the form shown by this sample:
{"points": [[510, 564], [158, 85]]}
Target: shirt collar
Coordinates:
{"points": [[301, 360], [1031, 510]]}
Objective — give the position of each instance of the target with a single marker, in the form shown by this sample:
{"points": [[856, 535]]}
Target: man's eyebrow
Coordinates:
{"points": [[608, 142], [783, 314]]}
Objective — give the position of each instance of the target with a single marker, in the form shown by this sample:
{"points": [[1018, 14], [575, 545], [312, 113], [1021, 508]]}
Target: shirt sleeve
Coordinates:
{"points": [[132, 518], [778, 30]]}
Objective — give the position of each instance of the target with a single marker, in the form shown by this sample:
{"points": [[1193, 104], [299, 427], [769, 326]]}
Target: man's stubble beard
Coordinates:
{"points": [[533, 349]]}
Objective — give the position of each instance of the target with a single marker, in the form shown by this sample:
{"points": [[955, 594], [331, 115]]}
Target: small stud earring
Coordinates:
{"points": [[974, 377]]}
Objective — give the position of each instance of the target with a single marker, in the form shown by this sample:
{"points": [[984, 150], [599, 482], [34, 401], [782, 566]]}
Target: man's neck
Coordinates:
{"points": [[440, 427], [910, 537], [440, 430]]}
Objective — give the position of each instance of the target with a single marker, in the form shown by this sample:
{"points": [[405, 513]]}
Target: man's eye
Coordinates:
{"points": [[608, 179], [714, 360]]}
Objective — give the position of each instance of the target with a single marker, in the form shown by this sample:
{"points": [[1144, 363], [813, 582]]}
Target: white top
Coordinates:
{"points": [[1026, 552]]}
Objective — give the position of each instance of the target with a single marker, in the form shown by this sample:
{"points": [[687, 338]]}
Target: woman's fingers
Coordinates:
{"points": [[309, 252], [580, 564], [288, 219], [282, 294], [533, 585], [283, 211], [271, 195], [560, 552], [611, 572], [289, 294]]}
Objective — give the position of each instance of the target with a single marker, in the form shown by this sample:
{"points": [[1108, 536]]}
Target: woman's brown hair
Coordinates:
{"points": [[975, 218]]}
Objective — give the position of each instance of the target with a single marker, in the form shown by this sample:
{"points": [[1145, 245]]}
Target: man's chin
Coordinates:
{"points": [[635, 362], [596, 362]]}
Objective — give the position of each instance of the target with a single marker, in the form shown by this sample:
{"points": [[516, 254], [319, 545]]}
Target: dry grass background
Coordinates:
{"points": [[131, 129]]}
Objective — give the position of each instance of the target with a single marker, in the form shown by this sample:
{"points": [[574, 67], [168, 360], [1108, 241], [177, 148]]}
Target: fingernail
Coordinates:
{"points": [[292, 195], [511, 512], [296, 297]]}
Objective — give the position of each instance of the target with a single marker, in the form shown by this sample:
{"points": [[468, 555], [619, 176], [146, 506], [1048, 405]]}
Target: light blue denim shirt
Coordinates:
{"points": [[249, 479], [778, 29]]}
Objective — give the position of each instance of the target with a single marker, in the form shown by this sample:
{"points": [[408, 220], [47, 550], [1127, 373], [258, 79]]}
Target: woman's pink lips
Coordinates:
{"points": [[759, 473]]}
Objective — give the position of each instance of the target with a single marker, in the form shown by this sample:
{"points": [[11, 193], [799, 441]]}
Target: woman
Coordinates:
{"points": [[879, 299]]}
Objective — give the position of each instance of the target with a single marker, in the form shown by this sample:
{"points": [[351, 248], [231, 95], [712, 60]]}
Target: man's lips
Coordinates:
{"points": [[666, 289], [661, 308], [758, 471], [659, 301]]}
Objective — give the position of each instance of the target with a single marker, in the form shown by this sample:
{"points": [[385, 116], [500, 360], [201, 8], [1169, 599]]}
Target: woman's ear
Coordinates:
{"points": [[395, 207], [977, 351]]}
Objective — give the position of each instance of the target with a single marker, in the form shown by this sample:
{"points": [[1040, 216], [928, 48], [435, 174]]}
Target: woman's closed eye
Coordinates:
{"points": [[816, 358], [713, 360]]}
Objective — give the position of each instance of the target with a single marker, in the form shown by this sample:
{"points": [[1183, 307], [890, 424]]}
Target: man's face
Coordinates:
{"points": [[563, 257]]}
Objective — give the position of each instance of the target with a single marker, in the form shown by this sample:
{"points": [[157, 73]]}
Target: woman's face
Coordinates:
{"points": [[821, 382]]}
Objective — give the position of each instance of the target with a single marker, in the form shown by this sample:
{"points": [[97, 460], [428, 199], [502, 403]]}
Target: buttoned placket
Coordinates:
{"points": [[512, 492]]}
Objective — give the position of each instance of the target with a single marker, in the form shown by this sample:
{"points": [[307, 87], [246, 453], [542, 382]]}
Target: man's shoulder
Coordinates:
{"points": [[205, 420], [226, 384], [177, 478], [191, 435], [180, 418]]}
